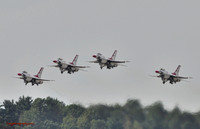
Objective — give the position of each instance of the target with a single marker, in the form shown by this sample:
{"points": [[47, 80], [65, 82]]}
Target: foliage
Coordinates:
{"points": [[50, 113]]}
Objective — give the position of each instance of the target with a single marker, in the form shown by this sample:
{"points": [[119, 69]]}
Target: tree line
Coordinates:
{"points": [[50, 113]]}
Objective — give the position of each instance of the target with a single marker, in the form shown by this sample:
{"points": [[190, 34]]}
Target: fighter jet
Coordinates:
{"points": [[109, 63], [35, 79], [172, 78], [69, 67]]}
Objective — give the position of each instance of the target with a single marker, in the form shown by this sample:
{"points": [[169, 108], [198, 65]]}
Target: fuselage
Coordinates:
{"points": [[63, 66], [29, 78], [104, 62], [165, 76]]}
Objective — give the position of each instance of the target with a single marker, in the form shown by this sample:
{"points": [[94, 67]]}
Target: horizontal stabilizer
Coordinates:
{"points": [[122, 65], [83, 70]]}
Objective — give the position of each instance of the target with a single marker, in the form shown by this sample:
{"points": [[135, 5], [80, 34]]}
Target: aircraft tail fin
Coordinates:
{"points": [[39, 73], [177, 70], [114, 55], [75, 60]]}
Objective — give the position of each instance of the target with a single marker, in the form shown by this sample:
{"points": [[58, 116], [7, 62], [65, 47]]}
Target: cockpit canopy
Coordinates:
{"points": [[59, 59], [24, 72], [99, 54], [162, 69]]}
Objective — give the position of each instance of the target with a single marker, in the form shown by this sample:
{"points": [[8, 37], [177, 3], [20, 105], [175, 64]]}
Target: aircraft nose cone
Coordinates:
{"points": [[19, 74], [55, 61], [157, 71], [94, 56]]}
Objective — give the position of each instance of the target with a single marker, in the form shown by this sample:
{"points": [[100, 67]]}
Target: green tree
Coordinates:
{"points": [[83, 122], [137, 125], [9, 111], [173, 119], [117, 118], [98, 124], [197, 117], [48, 124], [155, 116], [97, 112], [54, 109], [23, 104], [5, 126], [48, 112], [94, 112], [74, 110], [69, 122], [72, 113], [134, 110], [189, 120]]}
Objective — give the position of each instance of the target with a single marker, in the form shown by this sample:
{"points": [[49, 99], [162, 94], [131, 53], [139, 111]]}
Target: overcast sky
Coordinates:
{"points": [[152, 34]]}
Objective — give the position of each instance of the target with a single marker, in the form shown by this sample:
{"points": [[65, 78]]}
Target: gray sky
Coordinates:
{"points": [[150, 33]]}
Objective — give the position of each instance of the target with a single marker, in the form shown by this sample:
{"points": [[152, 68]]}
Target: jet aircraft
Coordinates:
{"points": [[69, 67], [109, 63], [34, 79], [172, 78]]}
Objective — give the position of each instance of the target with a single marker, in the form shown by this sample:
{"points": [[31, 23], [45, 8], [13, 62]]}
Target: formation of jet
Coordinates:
{"points": [[172, 78], [109, 63], [69, 67], [34, 79]]}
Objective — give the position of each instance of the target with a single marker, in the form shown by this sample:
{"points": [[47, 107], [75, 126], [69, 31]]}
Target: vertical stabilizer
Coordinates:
{"points": [[114, 55], [39, 73], [75, 60], [177, 70]]}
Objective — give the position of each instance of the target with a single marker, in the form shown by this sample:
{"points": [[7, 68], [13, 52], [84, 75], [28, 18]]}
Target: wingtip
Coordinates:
{"points": [[90, 61], [52, 65], [153, 76], [17, 77]]}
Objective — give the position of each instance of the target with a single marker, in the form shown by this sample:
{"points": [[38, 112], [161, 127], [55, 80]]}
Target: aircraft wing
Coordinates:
{"points": [[19, 77], [53, 65], [179, 77], [81, 66], [93, 61], [154, 76], [113, 61], [41, 79]]}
